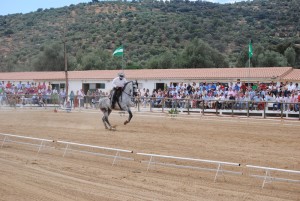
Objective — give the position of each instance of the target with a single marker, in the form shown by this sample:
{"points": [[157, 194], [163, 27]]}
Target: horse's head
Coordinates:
{"points": [[131, 88], [135, 86]]}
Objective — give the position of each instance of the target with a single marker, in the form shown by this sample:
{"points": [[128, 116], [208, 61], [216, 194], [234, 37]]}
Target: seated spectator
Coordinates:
{"points": [[297, 105], [261, 104], [256, 101], [68, 106], [294, 101], [231, 102]]}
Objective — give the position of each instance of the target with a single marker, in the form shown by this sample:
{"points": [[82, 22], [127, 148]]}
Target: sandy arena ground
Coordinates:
{"points": [[27, 175]]}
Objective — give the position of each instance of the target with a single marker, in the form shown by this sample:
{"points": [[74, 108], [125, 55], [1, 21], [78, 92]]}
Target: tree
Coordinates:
{"points": [[199, 54], [51, 58], [290, 55], [271, 59]]}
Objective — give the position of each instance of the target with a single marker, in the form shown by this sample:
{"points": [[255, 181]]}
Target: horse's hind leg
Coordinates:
{"points": [[108, 113], [104, 122], [105, 118], [129, 118]]}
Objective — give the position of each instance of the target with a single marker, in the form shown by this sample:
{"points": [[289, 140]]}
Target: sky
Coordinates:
{"points": [[27, 6]]}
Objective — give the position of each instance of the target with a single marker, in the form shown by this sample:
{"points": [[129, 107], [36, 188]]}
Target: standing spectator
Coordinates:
{"points": [[72, 96], [88, 99], [243, 87], [189, 88], [255, 86], [54, 96], [28, 86], [291, 87], [8, 85], [62, 97], [80, 97], [40, 86], [44, 85], [294, 100], [297, 105], [297, 88], [277, 104], [286, 104], [19, 85]]}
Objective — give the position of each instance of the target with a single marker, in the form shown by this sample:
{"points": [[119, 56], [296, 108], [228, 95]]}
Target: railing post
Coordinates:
{"points": [[281, 110], [248, 104], [232, 102], [265, 105], [203, 107], [188, 105], [163, 104], [299, 110], [138, 104], [150, 102]]}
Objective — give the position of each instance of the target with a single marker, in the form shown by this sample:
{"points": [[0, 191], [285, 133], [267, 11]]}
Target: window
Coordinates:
{"points": [[92, 85], [100, 85]]}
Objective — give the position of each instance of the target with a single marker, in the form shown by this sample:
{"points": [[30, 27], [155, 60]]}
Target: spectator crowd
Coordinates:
{"points": [[210, 95], [239, 95], [43, 94]]}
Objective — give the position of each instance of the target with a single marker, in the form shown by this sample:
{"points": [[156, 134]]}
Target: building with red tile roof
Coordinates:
{"points": [[151, 78]]}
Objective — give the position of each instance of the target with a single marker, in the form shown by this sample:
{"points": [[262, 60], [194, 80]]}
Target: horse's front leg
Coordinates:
{"points": [[129, 117], [106, 113]]}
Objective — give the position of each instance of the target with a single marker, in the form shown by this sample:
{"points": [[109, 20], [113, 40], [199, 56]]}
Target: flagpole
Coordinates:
{"points": [[123, 60], [250, 53], [249, 73]]}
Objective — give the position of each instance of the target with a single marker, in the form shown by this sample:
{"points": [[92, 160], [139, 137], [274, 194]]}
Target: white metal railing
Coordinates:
{"points": [[218, 169], [9, 137], [116, 156], [267, 178]]}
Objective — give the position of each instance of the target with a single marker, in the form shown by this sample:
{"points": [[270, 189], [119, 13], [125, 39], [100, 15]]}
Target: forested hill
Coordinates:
{"points": [[155, 34]]}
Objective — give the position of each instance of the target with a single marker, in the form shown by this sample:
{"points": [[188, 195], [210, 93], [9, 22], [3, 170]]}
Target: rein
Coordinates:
{"points": [[126, 92]]}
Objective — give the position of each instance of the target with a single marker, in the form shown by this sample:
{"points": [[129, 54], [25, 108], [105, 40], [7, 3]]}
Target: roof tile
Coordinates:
{"points": [[287, 73]]}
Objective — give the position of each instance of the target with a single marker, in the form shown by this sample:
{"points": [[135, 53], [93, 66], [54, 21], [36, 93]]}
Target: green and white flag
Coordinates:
{"points": [[250, 50], [119, 51]]}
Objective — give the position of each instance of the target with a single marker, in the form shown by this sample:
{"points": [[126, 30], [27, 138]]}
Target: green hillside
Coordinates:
{"points": [[155, 34]]}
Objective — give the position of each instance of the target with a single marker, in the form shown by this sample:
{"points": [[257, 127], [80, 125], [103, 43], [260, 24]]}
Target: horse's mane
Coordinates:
{"points": [[127, 83]]}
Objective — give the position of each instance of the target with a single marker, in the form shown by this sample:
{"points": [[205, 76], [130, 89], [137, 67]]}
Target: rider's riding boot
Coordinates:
{"points": [[113, 102]]}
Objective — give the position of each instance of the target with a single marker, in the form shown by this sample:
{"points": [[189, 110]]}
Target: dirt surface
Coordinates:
{"points": [[26, 174]]}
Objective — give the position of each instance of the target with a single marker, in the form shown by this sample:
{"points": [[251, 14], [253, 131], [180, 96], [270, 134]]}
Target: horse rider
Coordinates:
{"points": [[118, 84]]}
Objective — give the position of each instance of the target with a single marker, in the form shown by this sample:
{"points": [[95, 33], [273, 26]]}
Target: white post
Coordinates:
{"points": [[116, 156], [66, 150], [267, 178], [150, 161], [3, 141], [41, 146], [218, 169]]}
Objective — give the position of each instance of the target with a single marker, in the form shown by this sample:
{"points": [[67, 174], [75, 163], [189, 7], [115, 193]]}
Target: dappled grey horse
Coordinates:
{"points": [[124, 102]]}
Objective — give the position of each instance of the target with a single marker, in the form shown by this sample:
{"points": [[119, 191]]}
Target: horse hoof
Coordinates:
{"points": [[126, 122]]}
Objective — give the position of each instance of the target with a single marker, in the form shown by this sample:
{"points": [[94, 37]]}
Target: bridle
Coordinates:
{"points": [[134, 93]]}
